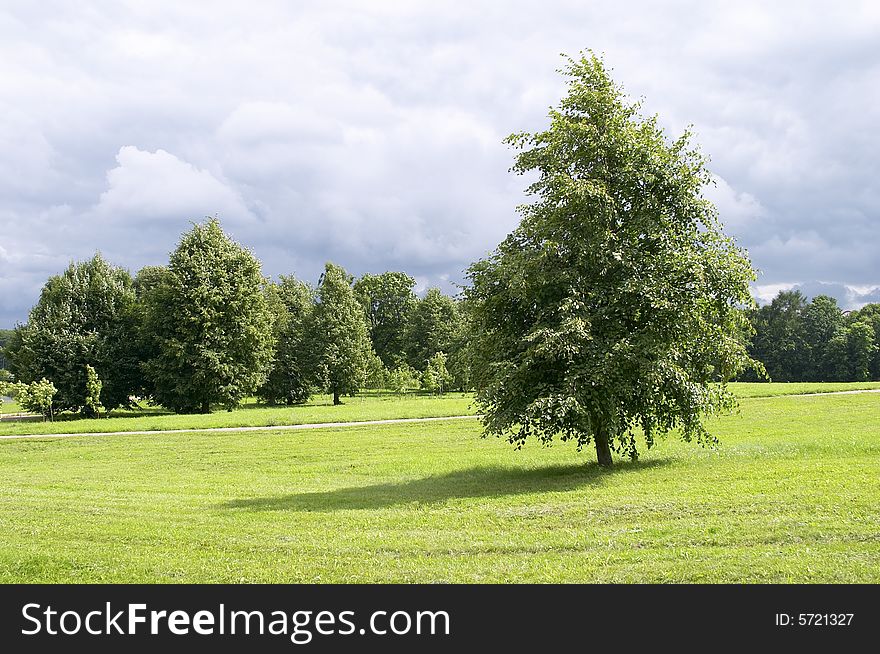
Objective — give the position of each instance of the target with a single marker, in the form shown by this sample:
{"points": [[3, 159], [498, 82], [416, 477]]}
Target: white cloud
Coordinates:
{"points": [[157, 186]]}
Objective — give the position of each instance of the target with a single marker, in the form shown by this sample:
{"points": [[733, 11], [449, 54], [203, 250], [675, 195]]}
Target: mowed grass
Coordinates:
{"points": [[792, 495], [320, 409], [760, 389], [369, 405]]}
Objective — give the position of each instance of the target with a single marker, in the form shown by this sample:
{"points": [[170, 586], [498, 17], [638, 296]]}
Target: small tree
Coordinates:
{"points": [[436, 377], [402, 378], [36, 397], [377, 373], [613, 308], [92, 407], [337, 329]]}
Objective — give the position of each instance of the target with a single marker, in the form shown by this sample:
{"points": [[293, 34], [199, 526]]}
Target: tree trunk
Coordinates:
{"points": [[336, 399], [603, 448], [206, 407]]}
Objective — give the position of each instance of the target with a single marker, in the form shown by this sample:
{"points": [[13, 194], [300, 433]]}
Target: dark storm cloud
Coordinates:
{"points": [[370, 134]]}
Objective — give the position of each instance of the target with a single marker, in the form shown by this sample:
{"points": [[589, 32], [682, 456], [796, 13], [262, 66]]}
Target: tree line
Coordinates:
{"points": [[208, 329], [800, 340]]}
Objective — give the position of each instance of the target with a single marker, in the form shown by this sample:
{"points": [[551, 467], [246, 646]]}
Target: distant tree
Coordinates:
{"points": [[93, 407], [208, 322], [36, 397], [860, 350], [433, 327], [436, 378], [870, 314], [780, 340], [376, 373], [612, 309], [84, 316], [5, 336], [289, 379], [388, 301], [821, 319], [403, 378], [337, 329]]}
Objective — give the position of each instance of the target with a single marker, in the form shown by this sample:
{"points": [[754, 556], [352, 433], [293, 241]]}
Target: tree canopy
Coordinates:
{"points": [[339, 342], [613, 307], [388, 301], [209, 323], [82, 318]]}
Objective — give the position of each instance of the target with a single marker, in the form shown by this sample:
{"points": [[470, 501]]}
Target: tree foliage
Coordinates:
{"points": [[93, 406], [289, 380], [816, 341], [339, 341], [433, 328], [388, 301], [83, 317], [613, 307], [436, 378], [208, 323]]}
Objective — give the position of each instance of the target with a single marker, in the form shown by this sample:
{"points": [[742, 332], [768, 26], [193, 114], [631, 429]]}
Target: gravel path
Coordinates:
{"points": [[315, 425], [328, 425]]}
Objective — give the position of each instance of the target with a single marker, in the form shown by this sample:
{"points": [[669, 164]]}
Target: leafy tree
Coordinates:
{"points": [[860, 350], [376, 373], [402, 379], [93, 407], [5, 336], [780, 341], [433, 328], [208, 322], [337, 329], [821, 319], [870, 314], [36, 397], [83, 316], [613, 305], [436, 377], [289, 380], [388, 301]]}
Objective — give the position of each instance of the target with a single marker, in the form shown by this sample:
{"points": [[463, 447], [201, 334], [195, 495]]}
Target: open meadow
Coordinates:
{"points": [[790, 496]]}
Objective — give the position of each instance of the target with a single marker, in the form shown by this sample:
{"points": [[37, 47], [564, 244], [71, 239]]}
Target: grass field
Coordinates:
{"points": [[791, 496], [370, 405], [367, 406]]}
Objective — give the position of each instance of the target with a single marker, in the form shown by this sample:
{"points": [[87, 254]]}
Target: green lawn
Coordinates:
{"points": [[370, 405], [745, 389], [367, 406], [791, 496]]}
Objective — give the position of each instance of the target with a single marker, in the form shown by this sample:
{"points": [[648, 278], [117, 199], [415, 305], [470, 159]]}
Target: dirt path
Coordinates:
{"points": [[328, 425], [313, 425], [862, 390]]}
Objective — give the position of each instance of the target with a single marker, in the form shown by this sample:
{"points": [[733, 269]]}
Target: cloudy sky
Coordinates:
{"points": [[370, 134]]}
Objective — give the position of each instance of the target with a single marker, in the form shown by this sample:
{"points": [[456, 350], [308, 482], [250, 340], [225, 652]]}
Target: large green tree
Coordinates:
{"points": [[338, 338], [289, 380], [388, 301], [85, 316], [612, 309], [208, 322]]}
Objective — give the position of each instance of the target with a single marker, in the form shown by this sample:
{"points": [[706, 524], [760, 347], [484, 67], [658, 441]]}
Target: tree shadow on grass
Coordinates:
{"points": [[489, 481]]}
